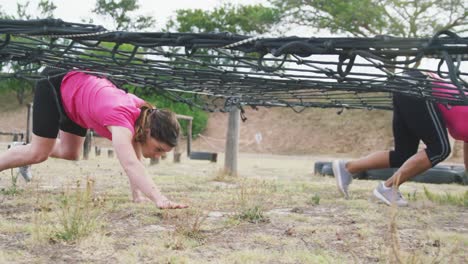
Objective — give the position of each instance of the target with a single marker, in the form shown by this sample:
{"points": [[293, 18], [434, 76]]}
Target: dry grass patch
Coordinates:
{"points": [[69, 216], [276, 211]]}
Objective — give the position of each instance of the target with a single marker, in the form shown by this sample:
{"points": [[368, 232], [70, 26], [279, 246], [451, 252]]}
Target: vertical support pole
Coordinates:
{"points": [[189, 137], [97, 151], [29, 123], [87, 144], [154, 161], [176, 152], [232, 142]]}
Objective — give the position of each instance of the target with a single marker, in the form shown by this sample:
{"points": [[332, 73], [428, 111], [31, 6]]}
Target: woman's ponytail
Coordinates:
{"points": [[143, 122], [162, 123]]}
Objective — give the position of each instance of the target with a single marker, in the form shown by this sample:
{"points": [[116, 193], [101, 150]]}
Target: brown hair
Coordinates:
{"points": [[162, 123]]}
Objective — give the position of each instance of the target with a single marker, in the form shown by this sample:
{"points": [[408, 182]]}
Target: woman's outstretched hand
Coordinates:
{"points": [[167, 204]]}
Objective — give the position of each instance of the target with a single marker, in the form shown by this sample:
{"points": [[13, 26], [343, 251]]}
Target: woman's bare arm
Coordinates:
{"points": [[122, 142]]}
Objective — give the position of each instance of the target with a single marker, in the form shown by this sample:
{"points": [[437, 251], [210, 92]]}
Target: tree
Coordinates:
{"points": [[364, 18], [121, 13], [249, 19], [45, 9]]}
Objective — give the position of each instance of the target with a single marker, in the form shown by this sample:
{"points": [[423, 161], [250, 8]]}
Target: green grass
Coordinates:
{"points": [[13, 188], [78, 214], [447, 198], [314, 200], [253, 215]]}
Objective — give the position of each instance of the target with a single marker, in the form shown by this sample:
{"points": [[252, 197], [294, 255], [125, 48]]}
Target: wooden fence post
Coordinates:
{"points": [[189, 137], [176, 152], [232, 143], [97, 151], [154, 161], [29, 123], [87, 144]]}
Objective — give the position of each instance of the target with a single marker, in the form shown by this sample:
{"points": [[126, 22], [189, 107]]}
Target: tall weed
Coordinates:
{"points": [[79, 213]]}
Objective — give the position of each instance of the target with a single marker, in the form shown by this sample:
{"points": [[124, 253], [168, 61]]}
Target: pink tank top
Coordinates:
{"points": [[96, 103], [455, 117]]}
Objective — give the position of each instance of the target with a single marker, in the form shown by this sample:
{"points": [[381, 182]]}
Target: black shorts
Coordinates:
{"points": [[416, 119], [48, 113]]}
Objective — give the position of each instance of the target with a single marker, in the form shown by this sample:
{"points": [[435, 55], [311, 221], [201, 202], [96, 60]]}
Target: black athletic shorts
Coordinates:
{"points": [[48, 113], [416, 119]]}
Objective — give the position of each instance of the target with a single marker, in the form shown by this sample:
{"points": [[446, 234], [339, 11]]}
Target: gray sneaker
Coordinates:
{"points": [[25, 171], [342, 176], [389, 196]]}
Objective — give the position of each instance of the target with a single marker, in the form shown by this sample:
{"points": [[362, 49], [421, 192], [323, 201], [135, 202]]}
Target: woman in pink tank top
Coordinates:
{"points": [[67, 104]]}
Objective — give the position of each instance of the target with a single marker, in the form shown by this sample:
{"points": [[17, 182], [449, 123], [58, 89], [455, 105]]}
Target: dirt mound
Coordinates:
{"points": [[314, 131]]}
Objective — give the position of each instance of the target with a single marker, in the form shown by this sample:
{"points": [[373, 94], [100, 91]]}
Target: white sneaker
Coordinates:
{"points": [[389, 195], [25, 171], [342, 176]]}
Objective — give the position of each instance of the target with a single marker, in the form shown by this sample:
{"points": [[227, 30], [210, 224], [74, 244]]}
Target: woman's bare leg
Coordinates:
{"points": [[415, 165], [68, 147], [418, 163], [36, 152], [376, 160]]}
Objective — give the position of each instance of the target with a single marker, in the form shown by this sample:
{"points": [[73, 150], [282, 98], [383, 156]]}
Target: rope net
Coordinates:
{"points": [[215, 71]]}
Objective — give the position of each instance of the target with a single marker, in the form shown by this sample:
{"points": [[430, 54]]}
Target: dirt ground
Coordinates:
{"points": [[276, 211]]}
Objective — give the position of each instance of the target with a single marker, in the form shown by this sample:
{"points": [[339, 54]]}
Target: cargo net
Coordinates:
{"points": [[216, 71]]}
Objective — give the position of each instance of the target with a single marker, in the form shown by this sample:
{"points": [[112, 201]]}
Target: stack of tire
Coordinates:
{"points": [[438, 174]]}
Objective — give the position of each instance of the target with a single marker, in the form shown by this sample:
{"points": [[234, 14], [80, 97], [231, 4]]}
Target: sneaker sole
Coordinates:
{"points": [[339, 183], [26, 176], [381, 197], [27, 179]]}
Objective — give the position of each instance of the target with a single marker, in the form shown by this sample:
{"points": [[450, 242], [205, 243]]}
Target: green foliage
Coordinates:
{"points": [[121, 55], [21, 87], [43, 9], [46, 8], [314, 200], [412, 196], [447, 198], [121, 14], [200, 118], [373, 17], [13, 189], [253, 215], [249, 19]]}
